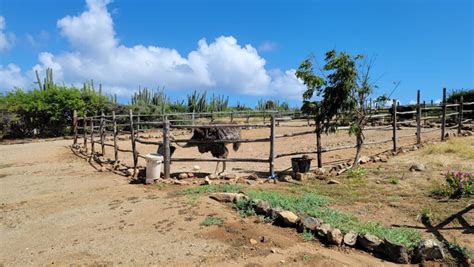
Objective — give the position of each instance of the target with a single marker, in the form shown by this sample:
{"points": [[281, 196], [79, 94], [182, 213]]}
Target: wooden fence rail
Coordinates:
{"points": [[95, 129]]}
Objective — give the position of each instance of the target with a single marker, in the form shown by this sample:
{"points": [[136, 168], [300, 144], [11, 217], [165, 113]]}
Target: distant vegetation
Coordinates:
{"points": [[47, 110]]}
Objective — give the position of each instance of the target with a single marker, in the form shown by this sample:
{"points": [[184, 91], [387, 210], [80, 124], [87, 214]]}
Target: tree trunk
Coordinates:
{"points": [[360, 143]]}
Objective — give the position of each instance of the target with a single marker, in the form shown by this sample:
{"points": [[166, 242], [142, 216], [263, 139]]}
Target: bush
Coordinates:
{"points": [[461, 184]]}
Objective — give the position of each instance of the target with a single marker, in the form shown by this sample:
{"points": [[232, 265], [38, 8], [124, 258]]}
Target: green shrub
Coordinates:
{"points": [[356, 173], [231, 188], [211, 220]]}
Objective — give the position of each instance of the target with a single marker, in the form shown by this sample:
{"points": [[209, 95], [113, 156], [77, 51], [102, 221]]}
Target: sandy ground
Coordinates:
{"points": [[57, 209]]}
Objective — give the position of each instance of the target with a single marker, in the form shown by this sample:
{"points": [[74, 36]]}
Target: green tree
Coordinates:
{"points": [[342, 91]]}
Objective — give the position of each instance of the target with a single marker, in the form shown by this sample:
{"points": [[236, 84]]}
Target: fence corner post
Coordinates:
{"points": [[134, 149], [443, 120], [394, 124], [114, 122], [418, 118], [166, 149], [102, 133], [272, 147]]}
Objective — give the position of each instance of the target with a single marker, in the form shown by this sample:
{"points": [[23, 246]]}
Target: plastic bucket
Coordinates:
{"points": [[153, 166], [300, 164]]}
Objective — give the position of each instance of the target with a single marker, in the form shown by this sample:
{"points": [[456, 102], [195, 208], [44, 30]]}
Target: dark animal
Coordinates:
{"points": [[209, 135]]}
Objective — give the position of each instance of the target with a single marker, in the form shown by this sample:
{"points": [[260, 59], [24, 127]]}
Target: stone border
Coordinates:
{"points": [[427, 250]]}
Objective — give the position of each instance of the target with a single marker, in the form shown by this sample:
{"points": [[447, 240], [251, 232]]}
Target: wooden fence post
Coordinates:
{"points": [[84, 133], [92, 137], [74, 126], [443, 118], [166, 149], [134, 150], [418, 118], [394, 124], [461, 110], [102, 133], [138, 125], [193, 118], [248, 116], [232, 116], [318, 144], [272, 147], [114, 123]]}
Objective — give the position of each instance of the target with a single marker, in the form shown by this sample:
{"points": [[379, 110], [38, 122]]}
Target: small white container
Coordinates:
{"points": [[153, 167]]}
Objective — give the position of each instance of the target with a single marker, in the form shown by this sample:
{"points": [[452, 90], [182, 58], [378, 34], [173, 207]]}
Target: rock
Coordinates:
{"points": [[300, 176], [383, 158], [350, 239], [369, 242], [240, 196], [285, 178], [190, 175], [253, 241], [323, 229], [417, 167], [414, 148], [182, 176], [178, 182], [335, 237], [207, 181], [212, 176], [262, 207], [252, 177], [364, 160], [224, 197], [288, 217], [264, 239], [196, 168], [309, 223], [429, 250], [321, 171], [333, 182], [396, 253]]}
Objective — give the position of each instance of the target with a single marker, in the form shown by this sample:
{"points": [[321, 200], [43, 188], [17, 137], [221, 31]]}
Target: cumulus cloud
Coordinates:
{"points": [[97, 54], [11, 76], [6, 39]]}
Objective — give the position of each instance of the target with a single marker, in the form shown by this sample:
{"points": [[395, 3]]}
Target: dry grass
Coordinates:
{"points": [[460, 147]]}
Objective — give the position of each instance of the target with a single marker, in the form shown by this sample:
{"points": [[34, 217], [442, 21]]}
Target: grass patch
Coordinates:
{"points": [[307, 235], [211, 220], [244, 207], [356, 173], [461, 147], [313, 204], [393, 180], [203, 189]]}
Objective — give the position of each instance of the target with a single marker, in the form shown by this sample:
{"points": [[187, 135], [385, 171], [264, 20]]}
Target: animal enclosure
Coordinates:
{"points": [[270, 137]]}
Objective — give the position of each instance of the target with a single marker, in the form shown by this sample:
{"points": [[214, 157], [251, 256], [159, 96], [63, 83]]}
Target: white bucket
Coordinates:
{"points": [[153, 166]]}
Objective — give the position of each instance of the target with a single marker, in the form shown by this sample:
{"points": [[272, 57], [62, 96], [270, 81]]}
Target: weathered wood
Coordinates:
{"points": [[190, 141], [84, 124], [318, 144], [443, 118], [220, 126], [272, 147], [137, 125], [324, 150], [294, 134], [102, 134], [418, 117], [92, 138], [461, 111], [138, 140], [166, 149], [220, 160], [74, 126], [132, 139], [295, 154], [394, 124], [114, 123]]}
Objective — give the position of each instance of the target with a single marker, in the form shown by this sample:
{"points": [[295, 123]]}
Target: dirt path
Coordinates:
{"points": [[57, 209]]}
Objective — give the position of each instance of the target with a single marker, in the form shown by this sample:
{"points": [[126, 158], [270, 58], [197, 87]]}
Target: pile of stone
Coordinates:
{"points": [[426, 250]]}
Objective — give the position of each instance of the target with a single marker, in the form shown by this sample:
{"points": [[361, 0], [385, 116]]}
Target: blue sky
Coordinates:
{"points": [[246, 49]]}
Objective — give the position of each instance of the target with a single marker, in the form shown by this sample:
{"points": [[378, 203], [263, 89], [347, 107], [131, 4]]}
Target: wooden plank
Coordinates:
{"points": [[74, 127], [132, 139], [220, 160], [461, 111], [102, 134], [443, 118], [114, 123], [220, 126], [318, 144], [166, 149], [418, 117], [272, 147], [394, 124]]}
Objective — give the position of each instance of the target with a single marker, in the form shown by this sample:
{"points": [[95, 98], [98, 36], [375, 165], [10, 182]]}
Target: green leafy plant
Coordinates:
{"points": [[232, 188], [307, 235], [356, 172], [211, 220], [461, 184]]}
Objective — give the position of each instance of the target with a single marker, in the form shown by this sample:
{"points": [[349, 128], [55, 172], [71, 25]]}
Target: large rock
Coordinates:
{"points": [[369, 242], [396, 253], [262, 207], [417, 167], [323, 229], [288, 218], [429, 250], [364, 160], [182, 176], [350, 239], [309, 223], [224, 197], [335, 237], [300, 176]]}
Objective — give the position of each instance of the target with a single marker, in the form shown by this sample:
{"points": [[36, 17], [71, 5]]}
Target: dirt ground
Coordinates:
{"points": [[57, 209]]}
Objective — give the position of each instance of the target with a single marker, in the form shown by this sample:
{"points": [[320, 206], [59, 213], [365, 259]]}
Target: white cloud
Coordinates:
{"points": [[267, 46], [97, 54], [6, 39], [11, 76]]}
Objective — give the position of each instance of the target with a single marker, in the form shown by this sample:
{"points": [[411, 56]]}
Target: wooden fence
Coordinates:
{"points": [[94, 130]]}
